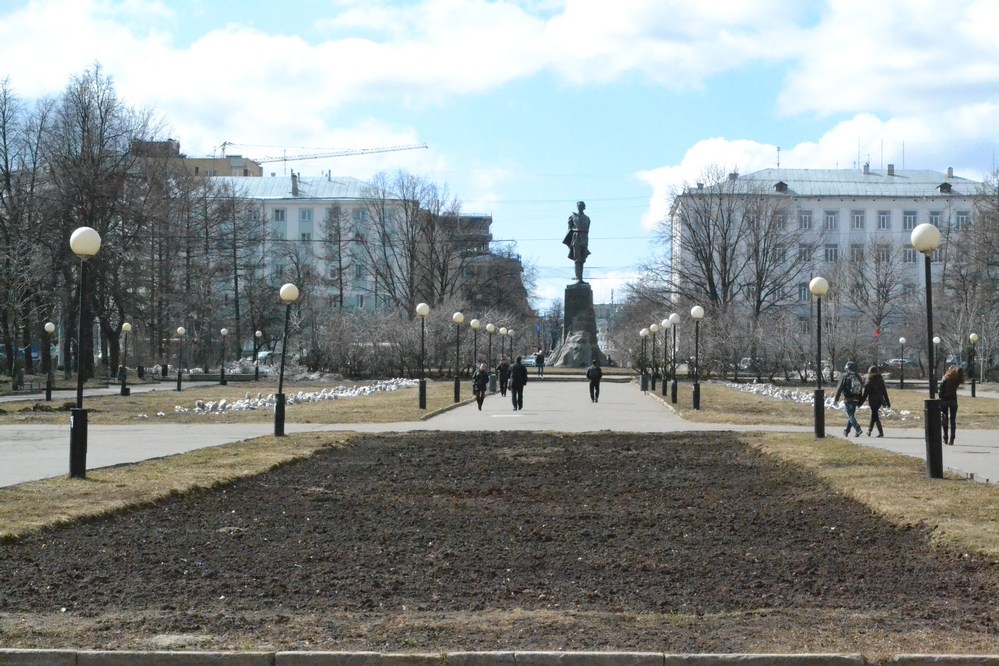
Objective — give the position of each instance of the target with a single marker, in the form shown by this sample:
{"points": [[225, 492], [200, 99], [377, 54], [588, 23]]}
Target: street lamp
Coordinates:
{"points": [[422, 310], [180, 354], [256, 352], [49, 330], [490, 329], [643, 378], [222, 380], [697, 314], [901, 364], [665, 325], [126, 328], [85, 243], [475, 324], [819, 287], [289, 295], [503, 331], [458, 319], [509, 334], [926, 238], [653, 329], [674, 320], [971, 361]]}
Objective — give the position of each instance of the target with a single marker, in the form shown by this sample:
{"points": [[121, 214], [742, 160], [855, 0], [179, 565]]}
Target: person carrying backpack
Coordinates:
{"points": [[851, 387]]}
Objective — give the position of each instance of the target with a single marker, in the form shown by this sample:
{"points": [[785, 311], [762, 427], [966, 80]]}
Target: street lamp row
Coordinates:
{"points": [[671, 322]]}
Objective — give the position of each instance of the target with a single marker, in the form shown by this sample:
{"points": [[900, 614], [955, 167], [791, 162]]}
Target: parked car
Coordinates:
{"points": [[527, 361]]}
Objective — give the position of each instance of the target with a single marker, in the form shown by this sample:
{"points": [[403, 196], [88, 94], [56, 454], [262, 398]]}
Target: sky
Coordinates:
{"points": [[528, 106]]}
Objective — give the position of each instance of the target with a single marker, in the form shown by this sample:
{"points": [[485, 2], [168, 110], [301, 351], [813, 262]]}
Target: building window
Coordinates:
{"points": [[306, 237], [305, 215], [360, 301], [935, 218], [804, 219], [857, 253], [803, 293], [804, 252], [909, 255], [804, 326], [280, 230], [857, 219], [360, 215], [962, 220], [831, 220], [278, 215], [884, 253], [832, 253], [780, 253], [884, 219], [908, 220], [359, 270]]}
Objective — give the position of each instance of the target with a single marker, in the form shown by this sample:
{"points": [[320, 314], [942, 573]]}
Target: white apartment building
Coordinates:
{"points": [[842, 213]]}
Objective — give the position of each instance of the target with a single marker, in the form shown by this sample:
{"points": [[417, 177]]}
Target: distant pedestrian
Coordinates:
{"points": [[518, 378], [503, 370], [876, 395], [539, 363], [594, 373], [851, 387], [480, 381], [953, 378]]}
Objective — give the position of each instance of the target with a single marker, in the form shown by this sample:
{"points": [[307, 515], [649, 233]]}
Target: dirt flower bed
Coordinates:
{"points": [[482, 541]]}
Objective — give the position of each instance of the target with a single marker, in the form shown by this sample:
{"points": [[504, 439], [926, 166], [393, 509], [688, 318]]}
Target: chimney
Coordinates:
{"points": [[733, 176], [950, 172], [294, 184], [867, 168], [891, 169], [700, 186]]}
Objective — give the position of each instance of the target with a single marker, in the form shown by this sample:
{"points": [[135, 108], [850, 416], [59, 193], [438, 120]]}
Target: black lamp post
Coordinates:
{"points": [[697, 314], [180, 356], [256, 352], [973, 338], [126, 328], [475, 324], [509, 334], [503, 331], [222, 380], [926, 238], [901, 364], [819, 287], [665, 326], [490, 329], [289, 294], [674, 320], [933, 367], [643, 377], [458, 320], [652, 380], [49, 330], [85, 243], [422, 310]]}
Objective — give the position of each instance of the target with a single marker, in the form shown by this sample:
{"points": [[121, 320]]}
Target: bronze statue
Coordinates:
{"points": [[578, 238]]}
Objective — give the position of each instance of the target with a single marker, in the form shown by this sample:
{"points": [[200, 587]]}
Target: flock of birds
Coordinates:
{"points": [[807, 397], [261, 401]]}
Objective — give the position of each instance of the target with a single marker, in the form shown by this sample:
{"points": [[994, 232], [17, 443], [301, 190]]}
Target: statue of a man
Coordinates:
{"points": [[578, 238]]}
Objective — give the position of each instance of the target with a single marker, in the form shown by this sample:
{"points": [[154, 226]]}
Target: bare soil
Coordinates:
{"points": [[478, 541]]}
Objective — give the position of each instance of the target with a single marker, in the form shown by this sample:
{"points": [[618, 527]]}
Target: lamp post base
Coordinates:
{"points": [[178, 380], [457, 388], [78, 443], [665, 386], [279, 415], [934, 448], [423, 394], [48, 391], [672, 391], [643, 382], [222, 379], [820, 413], [697, 395], [652, 382]]}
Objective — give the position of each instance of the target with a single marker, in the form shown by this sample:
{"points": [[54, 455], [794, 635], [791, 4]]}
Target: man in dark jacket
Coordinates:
{"points": [[518, 377], [851, 387], [503, 372], [594, 373]]}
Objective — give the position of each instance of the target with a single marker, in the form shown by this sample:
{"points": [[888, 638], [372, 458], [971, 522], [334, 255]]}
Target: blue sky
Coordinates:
{"points": [[530, 105]]}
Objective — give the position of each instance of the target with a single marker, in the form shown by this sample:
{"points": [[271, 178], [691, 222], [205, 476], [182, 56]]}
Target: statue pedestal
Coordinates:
{"points": [[579, 337]]}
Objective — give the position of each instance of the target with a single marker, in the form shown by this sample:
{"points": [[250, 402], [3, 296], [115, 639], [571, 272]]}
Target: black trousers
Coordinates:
{"points": [[517, 394], [594, 390]]}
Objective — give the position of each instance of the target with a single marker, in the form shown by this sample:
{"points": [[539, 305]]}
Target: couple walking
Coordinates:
{"points": [[856, 391], [517, 375]]}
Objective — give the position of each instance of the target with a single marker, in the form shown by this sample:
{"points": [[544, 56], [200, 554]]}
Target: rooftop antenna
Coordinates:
{"points": [[778, 157]]}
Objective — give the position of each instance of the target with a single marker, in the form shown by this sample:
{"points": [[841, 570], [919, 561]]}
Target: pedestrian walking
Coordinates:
{"points": [[876, 395], [851, 387], [503, 370], [518, 378], [480, 382], [539, 363], [953, 378], [594, 373]]}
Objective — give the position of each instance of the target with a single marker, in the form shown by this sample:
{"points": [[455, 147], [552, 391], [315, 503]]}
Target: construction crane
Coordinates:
{"points": [[284, 158]]}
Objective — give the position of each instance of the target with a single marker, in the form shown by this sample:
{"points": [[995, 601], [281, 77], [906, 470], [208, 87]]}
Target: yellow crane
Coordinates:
{"points": [[285, 158]]}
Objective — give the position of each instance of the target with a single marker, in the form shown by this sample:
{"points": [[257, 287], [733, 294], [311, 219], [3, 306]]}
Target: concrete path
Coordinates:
{"points": [[32, 452]]}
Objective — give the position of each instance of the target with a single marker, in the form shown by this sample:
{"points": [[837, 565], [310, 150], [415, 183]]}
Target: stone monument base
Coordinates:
{"points": [[579, 339]]}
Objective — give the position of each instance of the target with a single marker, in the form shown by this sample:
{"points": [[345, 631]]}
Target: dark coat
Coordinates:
{"points": [[503, 370], [518, 376], [948, 388], [875, 392], [594, 373], [480, 380]]}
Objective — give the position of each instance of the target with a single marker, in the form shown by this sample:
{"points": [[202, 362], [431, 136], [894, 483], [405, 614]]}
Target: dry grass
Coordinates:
{"points": [[721, 403], [389, 407]]}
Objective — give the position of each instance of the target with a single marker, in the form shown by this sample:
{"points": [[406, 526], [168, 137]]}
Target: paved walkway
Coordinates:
{"points": [[31, 452]]}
